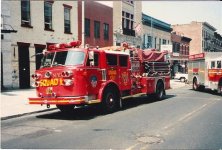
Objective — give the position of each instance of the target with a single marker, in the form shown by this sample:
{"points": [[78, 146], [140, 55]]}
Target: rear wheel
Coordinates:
{"points": [[110, 100], [195, 85], [220, 87], [160, 93], [65, 108]]}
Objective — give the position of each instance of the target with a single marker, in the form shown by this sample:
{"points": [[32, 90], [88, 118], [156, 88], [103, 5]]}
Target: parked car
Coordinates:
{"points": [[183, 77]]}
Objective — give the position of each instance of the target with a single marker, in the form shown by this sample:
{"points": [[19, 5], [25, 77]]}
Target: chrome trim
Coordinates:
{"points": [[103, 74]]}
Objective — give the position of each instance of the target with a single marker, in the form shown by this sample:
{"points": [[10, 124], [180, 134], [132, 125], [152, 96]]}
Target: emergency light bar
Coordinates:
{"points": [[64, 45]]}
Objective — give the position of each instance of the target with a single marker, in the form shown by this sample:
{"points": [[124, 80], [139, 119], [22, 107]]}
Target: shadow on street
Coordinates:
{"points": [[90, 112], [208, 91]]}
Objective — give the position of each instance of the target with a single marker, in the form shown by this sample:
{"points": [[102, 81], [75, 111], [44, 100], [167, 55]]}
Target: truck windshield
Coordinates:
{"points": [[63, 58]]}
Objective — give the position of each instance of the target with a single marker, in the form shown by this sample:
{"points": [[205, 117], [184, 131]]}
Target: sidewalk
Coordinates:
{"points": [[15, 103]]}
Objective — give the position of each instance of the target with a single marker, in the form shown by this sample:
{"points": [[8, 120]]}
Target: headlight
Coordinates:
{"points": [[67, 82], [36, 76], [48, 74], [67, 73]]}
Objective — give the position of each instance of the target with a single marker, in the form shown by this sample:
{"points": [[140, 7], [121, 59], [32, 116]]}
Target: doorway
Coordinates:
{"points": [[2, 87], [24, 66]]}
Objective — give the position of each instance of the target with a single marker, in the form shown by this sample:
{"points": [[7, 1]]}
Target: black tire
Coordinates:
{"points": [[182, 79], [65, 108], [160, 92], [110, 101], [195, 85], [220, 87]]}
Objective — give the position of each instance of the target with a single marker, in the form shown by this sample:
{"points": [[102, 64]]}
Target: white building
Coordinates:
{"points": [[38, 24], [155, 33], [6, 56], [126, 18]]}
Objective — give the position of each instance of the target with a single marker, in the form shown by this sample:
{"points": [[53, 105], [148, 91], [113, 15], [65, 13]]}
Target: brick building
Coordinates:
{"points": [[180, 53], [202, 35], [98, 23]]}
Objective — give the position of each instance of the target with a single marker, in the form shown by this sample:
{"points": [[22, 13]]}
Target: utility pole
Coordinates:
{"points": [[152, 32], [83, 23]]}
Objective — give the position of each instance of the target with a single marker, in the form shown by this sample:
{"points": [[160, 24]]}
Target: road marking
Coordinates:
{"points": [[191, 113], [170, 126], [187, 116], [133, 146]]}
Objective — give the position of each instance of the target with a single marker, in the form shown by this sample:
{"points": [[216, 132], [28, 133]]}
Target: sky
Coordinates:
{"points": [[183, 12]]}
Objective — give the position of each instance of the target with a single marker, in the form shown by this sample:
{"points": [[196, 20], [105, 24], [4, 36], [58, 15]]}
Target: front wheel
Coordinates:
{"points": [[110, 100], [195, 85]]}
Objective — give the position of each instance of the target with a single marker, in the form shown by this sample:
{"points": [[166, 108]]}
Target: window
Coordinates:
{"points": [[164, 41], [67, 26], [96, 29], [111, 59], [87, 27], [178, 47], [212, 64], [127, 20], [95, 60], [127, 24], [123, 61], [149, 43], [48, 15], [118, 44], [155, 42], [218, 64], [63, 58], [25, 12], [106, 31], [159, 43]]}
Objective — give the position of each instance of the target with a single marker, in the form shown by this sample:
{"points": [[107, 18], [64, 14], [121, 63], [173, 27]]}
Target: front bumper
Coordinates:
{"points": [[63, 100]]}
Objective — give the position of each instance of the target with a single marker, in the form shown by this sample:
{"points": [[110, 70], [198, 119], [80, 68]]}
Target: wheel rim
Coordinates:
{"points": [[110, 101], [160, 91]]}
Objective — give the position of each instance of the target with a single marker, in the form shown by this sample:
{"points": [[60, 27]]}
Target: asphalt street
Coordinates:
{"points": [[186, 119]]}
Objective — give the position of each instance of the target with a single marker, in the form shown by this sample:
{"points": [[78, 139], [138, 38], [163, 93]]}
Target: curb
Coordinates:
{"points": [[24, 114]]}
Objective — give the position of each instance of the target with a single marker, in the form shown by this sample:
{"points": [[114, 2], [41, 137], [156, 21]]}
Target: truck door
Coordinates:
{"points": [[112, 67], [94, 76], [124, 72]]}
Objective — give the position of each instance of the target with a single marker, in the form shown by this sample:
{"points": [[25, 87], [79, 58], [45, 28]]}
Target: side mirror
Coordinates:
{"points": [[91, 58], [91, 55]]}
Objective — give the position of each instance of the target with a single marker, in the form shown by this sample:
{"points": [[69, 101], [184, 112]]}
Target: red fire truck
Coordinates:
{"points": [[71, 76], [205, 71]]}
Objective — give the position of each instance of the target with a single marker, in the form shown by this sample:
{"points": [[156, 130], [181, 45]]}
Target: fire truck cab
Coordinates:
{"points": [[70, 76], [205, 71]]}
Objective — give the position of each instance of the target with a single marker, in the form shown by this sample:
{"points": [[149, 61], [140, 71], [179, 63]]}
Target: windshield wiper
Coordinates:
{"points": [[58, 65], [37, 54]]}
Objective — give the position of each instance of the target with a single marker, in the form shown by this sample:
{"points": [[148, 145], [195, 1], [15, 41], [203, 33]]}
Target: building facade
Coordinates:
{"points": [[98, 23], [6, 67], [180, 53], [155, 33], [126, 18], [202, 35], [217, 42], [38, 24]]}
